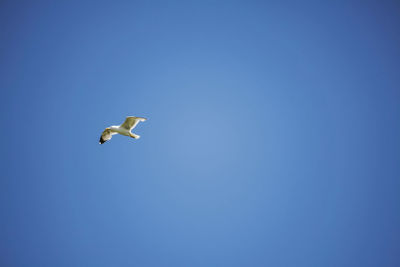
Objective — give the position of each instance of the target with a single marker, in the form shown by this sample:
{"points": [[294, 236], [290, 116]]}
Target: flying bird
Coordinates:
{"points": [[124, 129]]}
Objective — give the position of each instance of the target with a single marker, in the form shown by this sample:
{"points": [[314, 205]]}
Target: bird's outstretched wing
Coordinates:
{"points": [[105, 136], [131, 122]]}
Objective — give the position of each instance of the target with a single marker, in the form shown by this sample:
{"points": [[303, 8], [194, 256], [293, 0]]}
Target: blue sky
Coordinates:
{"points": [[272, 136]]}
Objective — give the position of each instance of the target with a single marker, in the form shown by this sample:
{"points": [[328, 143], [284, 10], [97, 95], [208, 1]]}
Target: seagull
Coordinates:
{"points": [[124, 129]]}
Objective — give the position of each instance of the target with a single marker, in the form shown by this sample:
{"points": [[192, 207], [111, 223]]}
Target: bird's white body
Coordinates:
{"points": [[119, 130], [123, 129]]}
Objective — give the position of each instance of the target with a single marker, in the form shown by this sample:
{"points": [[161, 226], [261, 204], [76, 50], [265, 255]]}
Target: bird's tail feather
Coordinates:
{"points": [[135, 136]]}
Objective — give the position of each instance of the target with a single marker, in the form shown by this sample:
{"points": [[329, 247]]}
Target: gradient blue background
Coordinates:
{"points": [[273, 133]]}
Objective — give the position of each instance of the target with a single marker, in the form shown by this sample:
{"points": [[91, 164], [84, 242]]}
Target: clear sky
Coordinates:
{"points": [[272, 139]]}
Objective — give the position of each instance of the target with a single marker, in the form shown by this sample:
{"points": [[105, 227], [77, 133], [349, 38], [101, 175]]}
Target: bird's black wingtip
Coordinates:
{"points": [[101, 141]]}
